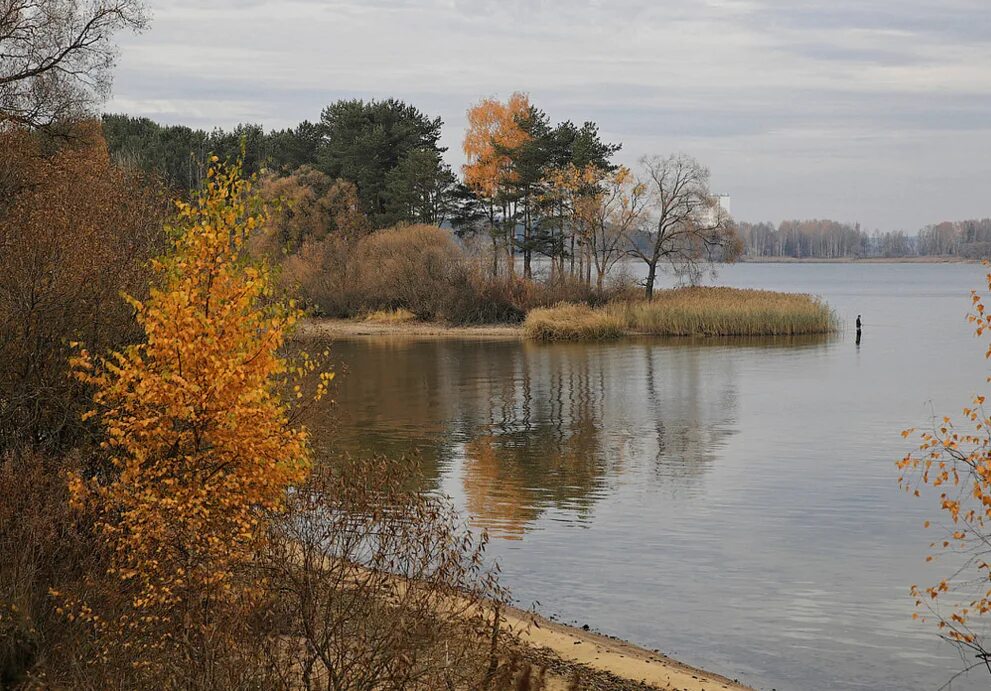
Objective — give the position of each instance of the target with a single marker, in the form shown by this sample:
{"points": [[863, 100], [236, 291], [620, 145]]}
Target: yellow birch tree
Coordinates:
{"points": [[198, 436]]}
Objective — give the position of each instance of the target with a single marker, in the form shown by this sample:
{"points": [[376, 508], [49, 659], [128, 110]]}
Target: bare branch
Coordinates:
{"points": [[56, 56]]}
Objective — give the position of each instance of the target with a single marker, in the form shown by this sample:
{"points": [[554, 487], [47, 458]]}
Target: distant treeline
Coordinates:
{"points": [[824, 239]]}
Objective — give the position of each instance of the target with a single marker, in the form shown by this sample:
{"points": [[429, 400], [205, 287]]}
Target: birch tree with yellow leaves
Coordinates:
{"points": [[199, 443]]}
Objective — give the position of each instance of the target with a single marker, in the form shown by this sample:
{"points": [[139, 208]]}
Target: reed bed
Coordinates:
{"points": [[726, 312], [571, 322], [687, 312]]}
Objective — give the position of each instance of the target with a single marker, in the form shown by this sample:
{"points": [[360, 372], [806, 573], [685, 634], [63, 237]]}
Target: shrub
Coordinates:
{"points": [[571, 322], [319, 272], [475, 297], [71, 241], [381, 588], [42, 546], [407, 267]]}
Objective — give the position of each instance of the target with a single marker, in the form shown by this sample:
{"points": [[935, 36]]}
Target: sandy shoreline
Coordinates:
{"points": [[607, 663], [350, 328]]}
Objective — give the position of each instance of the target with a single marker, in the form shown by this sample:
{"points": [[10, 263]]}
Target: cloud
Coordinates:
{"points": [[801, 108]]}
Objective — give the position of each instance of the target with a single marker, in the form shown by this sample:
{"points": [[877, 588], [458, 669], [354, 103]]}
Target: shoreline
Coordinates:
{"points": [[610, 664], [350, 328], [856, 260], [323, 327]]}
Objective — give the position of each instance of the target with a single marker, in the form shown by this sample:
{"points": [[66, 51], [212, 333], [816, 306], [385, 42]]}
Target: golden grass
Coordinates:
{"points": [[571, 322], [396, 316], [725, 312]]}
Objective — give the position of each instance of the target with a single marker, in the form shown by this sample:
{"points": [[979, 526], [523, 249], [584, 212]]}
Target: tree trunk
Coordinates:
{"points": [[527, 273], [649, 282]]}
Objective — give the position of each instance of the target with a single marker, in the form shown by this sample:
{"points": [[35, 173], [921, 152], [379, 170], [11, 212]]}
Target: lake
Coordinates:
{"points": [[731, 503]]}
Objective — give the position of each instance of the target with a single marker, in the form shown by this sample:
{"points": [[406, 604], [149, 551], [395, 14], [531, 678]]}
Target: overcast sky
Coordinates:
{"points": [[877, 111]]}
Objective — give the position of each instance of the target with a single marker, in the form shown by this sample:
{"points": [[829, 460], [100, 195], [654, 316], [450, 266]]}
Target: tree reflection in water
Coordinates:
{"points": [[518, 429]]}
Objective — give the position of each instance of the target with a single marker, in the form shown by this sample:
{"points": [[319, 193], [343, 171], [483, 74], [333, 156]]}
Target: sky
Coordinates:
{"points": [[869, 111]]}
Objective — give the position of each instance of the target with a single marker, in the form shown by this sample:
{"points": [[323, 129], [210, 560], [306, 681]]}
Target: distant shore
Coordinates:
{"points": [[857, 260]]}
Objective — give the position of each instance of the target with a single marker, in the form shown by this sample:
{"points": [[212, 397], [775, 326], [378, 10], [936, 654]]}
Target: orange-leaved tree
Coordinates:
{"points": [[494, 132], [198, 432], [956, 461]]}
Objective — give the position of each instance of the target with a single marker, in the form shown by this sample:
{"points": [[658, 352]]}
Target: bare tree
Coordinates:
{"points": [[56, 56], [686, 228], [608, 217]]}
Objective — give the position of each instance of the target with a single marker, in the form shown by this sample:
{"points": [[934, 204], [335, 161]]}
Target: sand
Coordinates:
{"points": [[350, 328], [618, 658]]}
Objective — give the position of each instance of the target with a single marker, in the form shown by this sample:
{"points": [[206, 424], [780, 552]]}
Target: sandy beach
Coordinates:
{"points": [[607, 663], [349, 328]]}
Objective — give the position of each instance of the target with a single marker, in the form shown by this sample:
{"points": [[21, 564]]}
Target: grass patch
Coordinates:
{"points": [[725, 312], [396, 316], [571, 322]]}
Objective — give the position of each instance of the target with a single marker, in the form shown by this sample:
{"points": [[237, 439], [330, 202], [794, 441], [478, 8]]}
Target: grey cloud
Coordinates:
{"points": [[800, 107]]}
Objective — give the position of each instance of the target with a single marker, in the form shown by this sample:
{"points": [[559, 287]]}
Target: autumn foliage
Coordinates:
{"points": [[493, 132], [197, 437], [955, 460], [75, 231]]}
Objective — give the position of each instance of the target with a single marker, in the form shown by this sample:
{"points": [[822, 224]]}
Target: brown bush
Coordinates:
{"points": [[76, 233], [309, 206], [320, 274], [475, 297], [406, 267], [381, 587], [42, 547]]}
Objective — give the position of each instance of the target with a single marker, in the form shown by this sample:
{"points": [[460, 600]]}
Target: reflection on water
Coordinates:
{"points": [[555, 432], [733, 503], [532, 426]]}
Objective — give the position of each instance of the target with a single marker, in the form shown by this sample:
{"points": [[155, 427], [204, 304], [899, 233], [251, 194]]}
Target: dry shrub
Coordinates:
{"points": [[319, 272], [381, 587], [309, 206], [406, 267], [422, 270], [396, 316], [570, 322], [76, 233], [42, 546], [475, 297]]}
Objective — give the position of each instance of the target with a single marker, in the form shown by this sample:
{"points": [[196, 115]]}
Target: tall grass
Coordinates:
{"points": [[571, 322], [687, 312], [726, 312]]}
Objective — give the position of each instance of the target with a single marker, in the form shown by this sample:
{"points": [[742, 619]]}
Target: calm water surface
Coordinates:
{"points": [[733, 504]]}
